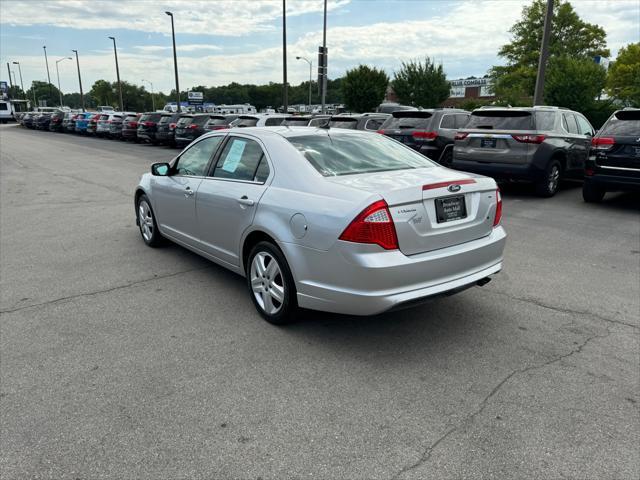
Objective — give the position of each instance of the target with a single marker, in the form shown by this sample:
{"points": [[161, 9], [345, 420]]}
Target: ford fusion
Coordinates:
{"points": [[325, 219]]}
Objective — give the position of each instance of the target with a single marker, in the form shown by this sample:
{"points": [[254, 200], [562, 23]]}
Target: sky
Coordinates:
{"points": [[220, 41]]}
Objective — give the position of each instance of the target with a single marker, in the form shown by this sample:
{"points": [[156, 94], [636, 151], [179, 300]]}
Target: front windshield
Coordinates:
{"points": [[334, 155]]}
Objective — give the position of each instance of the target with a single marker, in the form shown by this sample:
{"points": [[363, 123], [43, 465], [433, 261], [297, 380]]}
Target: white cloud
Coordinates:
{"points": [[181, 48], [222, 17]]}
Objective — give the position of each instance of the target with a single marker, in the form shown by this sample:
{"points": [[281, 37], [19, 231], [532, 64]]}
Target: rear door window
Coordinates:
{"points": [[240, 160], [584, 127], [569, 123], [501, 120]]}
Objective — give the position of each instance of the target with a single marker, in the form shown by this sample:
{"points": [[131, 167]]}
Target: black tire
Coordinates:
{"points": [[285, 310], [591, 193], [150, 235], [447, 158], [548, 186]]}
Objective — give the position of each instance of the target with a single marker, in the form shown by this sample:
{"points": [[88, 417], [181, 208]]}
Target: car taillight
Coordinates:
{"points": [[149, 124], [529, 138], [460, 135], [172, 126], [589, 172], [373, 225], [425, 135], [218, 127], [381, 132], [498, 217], [603, 143], [192, 127]]}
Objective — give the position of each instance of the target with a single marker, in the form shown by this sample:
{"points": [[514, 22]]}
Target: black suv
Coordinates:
{"points": [[219, 122], [190, 127], [165, 130], [364, 121], [614, 158], [430, 132], [55, 124], [534, 144], [148, 127]]}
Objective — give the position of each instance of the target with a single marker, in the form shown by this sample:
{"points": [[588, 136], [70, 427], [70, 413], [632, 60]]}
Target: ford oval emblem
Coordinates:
{"points": [[454, 188]]}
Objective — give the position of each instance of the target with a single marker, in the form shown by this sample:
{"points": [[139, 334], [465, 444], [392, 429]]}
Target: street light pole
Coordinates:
{"points": [[48, 76], [310, 76], [9, 72], [285, 90], [21, 84], [79, 79], [538, 96], [58, 73], [326, 63], [153, 102], [175, 60], [115, 51]]}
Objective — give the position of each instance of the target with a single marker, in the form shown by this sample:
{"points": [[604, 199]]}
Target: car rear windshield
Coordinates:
{"points": [[150, 117], [104, 117], [350, 123], [245, 122], [217, 121], [626, 122], [335, 155], [408, 120], [3, 106], [296, 121], [165, 119], [130, 118], [201, 119], [501, 120], [184, 121]]}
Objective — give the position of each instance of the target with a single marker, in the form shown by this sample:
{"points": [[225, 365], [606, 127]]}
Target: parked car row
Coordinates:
{"points": [[541, 145]]}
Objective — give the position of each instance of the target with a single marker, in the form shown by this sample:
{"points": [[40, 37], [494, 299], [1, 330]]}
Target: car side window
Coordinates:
{"points": [[242, 159], [448, 121], [194, 160], [584, 127], [569, 122]]}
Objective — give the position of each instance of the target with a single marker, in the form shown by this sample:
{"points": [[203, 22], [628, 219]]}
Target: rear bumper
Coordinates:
{"points": [[129, 133], [151, 136], [365, 280], [501, 171], [615, 182]]}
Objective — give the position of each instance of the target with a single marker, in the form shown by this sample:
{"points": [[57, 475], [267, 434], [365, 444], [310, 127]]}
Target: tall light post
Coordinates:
{"points": [[58, 73], [310, 76], [15, 81], [79, 79], [115, 52], [175, 60], [153, 102], [44, 47], [21, 84], [538, 95], [326, 63], [285, 90]]}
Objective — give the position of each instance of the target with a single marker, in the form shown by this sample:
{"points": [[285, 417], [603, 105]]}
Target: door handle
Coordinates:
{"points": [[188, 192], [244, 200]]}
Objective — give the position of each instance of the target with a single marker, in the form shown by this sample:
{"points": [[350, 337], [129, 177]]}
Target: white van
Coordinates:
{"points": [[6, 113]]}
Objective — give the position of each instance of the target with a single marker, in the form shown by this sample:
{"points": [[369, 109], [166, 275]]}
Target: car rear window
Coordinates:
{"points": [[217, 121], [104, 117], [130, 118], [201, 119], [184, 121], [501, 120], [335, 155], [625, 122], [296, 121], [245, 122], [150, 117], [165, 119], [350, 123], [408, 119], [3, 106]]}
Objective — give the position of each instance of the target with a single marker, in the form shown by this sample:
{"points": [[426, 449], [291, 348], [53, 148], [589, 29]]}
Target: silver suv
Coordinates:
{"points": [[534, 144]]}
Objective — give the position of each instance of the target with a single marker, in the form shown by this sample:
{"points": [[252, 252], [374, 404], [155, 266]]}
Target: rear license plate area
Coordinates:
{"points": [[449, 209], [488, 143]]}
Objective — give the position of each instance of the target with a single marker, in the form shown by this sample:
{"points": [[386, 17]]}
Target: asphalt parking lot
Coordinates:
{"points": [[121, 361]]}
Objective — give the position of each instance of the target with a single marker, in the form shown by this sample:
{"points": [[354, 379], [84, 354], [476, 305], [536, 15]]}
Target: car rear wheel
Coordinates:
{"points": [[271, 284], [591, 193], [147, 222], [548, 186]]}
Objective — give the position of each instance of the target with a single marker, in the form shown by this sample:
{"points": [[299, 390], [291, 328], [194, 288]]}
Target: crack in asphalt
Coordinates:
{"points": [[426, 454], [107, 290], [539, 303]]}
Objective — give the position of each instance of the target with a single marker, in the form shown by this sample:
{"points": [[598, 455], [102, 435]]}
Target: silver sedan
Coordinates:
{"points": [[325, 219]]}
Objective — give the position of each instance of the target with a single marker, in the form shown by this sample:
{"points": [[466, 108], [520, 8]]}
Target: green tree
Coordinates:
{"points": [[103, 93], [574, 83], [43, 93], [421, 84], [623, 81], [363, 88], [570, 36]]}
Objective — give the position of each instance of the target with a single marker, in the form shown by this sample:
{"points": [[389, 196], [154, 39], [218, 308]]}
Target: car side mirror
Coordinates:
{"points": [[160, 169]]}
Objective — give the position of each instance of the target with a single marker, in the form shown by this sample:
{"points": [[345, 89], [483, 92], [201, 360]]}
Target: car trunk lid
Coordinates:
{"points": [[617, 146], [428, 215]]}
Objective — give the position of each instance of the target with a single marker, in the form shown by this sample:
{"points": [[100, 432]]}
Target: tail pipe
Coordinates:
{"points": [[483, 281]]}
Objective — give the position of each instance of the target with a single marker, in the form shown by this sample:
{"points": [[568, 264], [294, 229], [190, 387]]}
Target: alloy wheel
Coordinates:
{"points": [[554, 178], [267, 283], [145, 218]]}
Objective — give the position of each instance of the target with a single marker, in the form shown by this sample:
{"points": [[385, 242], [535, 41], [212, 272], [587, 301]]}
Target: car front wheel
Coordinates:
{"points": [[147, 222], [271, 284]]}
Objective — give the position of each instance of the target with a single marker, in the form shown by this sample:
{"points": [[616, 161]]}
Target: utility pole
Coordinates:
{"points": [[175, 60], [324, 58], [48, 76], [79, 80], [538, 96], [21, 84], [310, 76], [115, 51], [58, 73], [285, 92]]}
